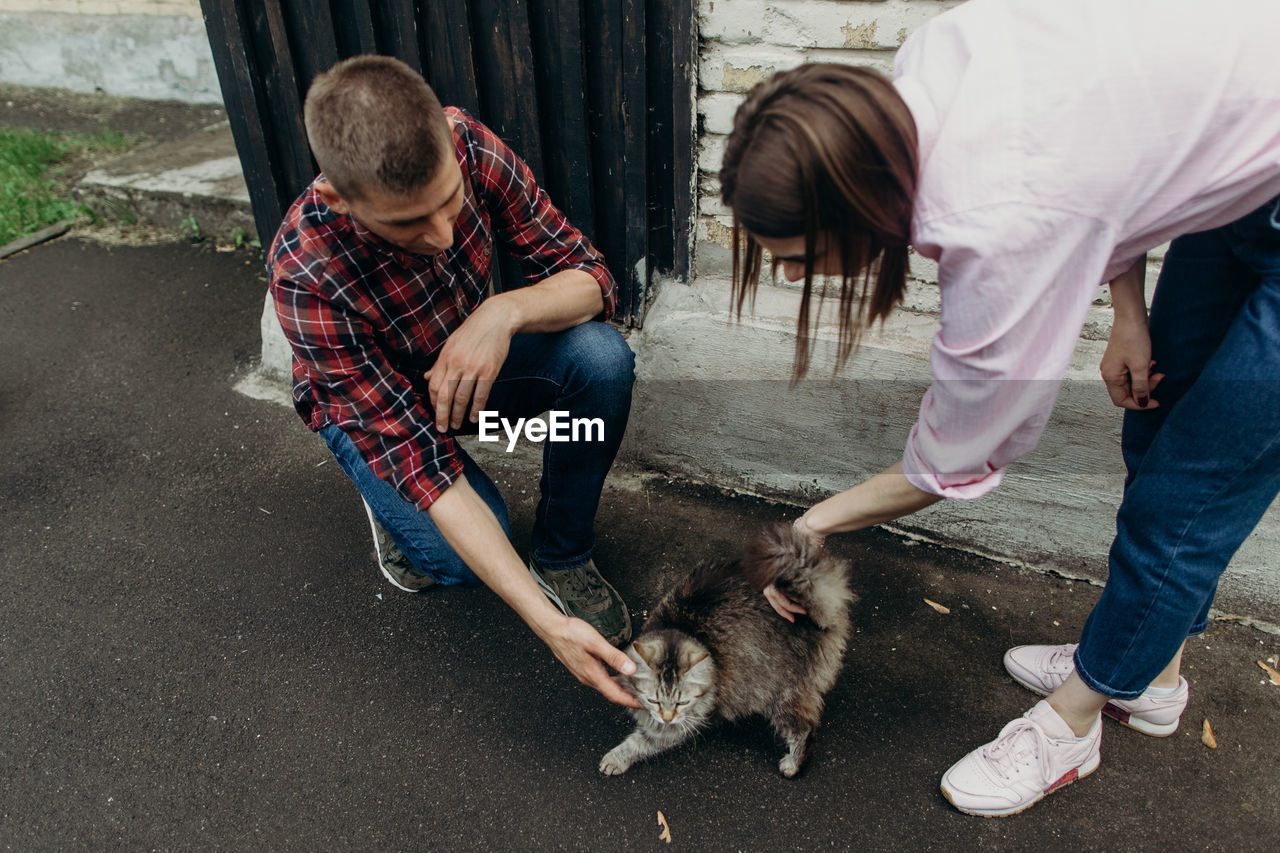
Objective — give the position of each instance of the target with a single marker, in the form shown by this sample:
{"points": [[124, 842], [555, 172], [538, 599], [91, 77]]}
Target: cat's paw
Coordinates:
{"points": [[789, 765], [614, 763]]}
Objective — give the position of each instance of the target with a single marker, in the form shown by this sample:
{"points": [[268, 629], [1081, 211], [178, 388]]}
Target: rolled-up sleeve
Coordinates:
{"points": [[1016, 283], [537, 234]]}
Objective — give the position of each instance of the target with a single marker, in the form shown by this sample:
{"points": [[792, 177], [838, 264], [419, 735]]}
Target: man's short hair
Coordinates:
{"points": [[375, 125]]}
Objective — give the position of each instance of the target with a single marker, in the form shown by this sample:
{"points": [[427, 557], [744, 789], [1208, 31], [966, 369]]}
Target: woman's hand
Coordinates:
{"points": [[783, 606], [886, 496], [1126, 365], [801, 525]]}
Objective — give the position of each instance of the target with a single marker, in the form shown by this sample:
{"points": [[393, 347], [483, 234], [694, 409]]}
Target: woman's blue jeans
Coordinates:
{"points": [[1205, 465], [587, 371]]}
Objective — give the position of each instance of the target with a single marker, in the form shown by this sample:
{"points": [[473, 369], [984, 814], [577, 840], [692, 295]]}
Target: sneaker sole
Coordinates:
{"points": [[1124, 718], [377, 553], [1074, 776], [1120, 715]]}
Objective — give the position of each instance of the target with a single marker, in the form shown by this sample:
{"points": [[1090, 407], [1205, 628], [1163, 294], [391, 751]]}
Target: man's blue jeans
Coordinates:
{"points": [[1205, 465], [587, 371]]}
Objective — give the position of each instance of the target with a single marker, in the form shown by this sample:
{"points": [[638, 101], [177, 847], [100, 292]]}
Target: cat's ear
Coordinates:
{"points": [[649, 649], [691, 655]]}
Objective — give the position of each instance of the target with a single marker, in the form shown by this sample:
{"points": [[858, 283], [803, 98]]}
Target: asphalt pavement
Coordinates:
{"points": [[196, 651]]}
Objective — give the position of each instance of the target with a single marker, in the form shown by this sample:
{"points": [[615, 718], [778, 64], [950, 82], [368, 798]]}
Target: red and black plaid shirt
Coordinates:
{"points": [[366, 319]]}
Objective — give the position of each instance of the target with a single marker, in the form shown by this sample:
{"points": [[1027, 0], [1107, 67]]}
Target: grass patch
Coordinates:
{"points": [[31, 196]]}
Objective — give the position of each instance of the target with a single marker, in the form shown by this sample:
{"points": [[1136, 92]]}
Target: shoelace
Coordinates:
{"points": [[585, 588], [1061, 660], [1018, 746]]}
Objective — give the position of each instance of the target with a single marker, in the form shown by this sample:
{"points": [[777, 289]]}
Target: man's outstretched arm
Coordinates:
{"points": [[470, 527]]}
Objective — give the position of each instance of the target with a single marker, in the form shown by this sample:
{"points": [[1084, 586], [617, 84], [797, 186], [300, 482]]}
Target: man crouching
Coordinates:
{"points": [[380, 276]]}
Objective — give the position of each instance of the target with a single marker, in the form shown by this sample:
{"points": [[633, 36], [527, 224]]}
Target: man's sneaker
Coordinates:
{"points": [[1034, 756], [1041, 669], [394, 564], [581, 592]]}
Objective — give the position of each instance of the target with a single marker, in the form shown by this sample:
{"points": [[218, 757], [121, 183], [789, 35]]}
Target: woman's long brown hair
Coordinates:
{"points": [[824, 149]]}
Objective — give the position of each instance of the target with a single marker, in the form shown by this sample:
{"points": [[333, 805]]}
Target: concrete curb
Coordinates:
{"points": [[41, 236], [192, 183]]}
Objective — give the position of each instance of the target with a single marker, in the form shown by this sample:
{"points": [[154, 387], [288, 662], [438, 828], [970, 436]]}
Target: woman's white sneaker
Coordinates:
{"points": [[1041, 669], [1034, 756]]}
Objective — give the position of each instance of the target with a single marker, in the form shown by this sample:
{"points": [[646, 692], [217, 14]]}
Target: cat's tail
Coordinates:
{"points": [[801, 570]]}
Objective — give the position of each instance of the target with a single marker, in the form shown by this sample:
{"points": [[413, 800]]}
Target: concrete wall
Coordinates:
{"points": [[155, 49], [713, 401]]}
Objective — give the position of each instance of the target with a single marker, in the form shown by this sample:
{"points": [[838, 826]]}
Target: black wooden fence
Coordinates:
{"points": [[594, 94]]}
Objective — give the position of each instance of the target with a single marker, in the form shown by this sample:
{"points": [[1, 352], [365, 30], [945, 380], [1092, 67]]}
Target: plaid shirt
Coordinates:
{"points": [[366, 319]]}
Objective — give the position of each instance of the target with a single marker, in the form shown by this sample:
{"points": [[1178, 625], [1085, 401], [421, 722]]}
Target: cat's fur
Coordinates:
{"points": [[713, 647]]}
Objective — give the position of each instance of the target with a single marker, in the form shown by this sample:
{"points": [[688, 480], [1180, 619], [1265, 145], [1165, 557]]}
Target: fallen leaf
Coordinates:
{"points": [[1206, 735], [1271, 672], [938, 607], [665, 835]]}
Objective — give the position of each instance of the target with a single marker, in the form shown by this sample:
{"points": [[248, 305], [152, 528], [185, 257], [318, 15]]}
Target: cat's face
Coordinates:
{"points": [[674, 678]]}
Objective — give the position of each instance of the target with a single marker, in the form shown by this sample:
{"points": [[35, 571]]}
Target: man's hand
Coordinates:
{"points": [[1126, 365], [581, 649], [471, 528], [469, 362], [470, 359]]}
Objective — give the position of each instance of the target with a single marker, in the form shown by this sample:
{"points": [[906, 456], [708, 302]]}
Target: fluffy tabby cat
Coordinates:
{"points": [[713, 647]]}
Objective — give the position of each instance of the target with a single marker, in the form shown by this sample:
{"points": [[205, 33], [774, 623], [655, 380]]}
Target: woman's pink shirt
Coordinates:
{"points": [[1059, 141]]}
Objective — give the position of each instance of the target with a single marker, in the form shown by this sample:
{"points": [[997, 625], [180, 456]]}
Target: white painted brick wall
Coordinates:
{"points": [[852, 24], [745, 41]]}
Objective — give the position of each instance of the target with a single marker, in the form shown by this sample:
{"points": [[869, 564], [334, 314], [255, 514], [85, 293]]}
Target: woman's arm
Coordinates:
{"points": [[1126, 365], [885, 497], [1016, 282]]}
